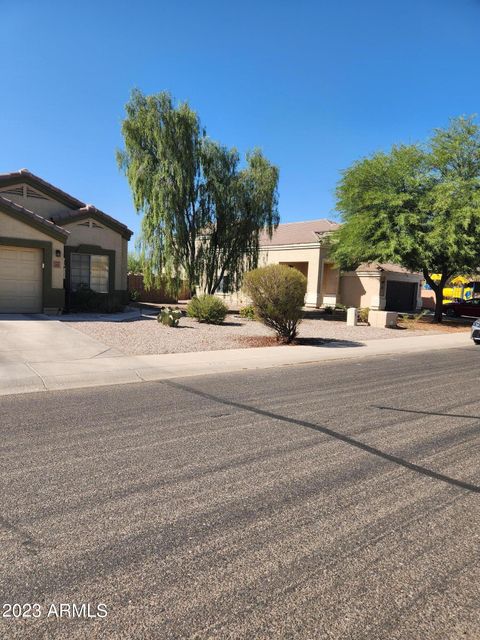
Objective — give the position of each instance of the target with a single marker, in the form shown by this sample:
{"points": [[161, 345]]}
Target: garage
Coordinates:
{"points": [[20, 279], [401, 296]]}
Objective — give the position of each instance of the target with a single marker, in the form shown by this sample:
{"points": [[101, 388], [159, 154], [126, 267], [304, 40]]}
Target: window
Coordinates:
{"points": [[89, 271]]}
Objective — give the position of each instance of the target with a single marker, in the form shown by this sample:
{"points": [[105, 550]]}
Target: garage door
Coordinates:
{"points": [[401, 296], [20, 280]]}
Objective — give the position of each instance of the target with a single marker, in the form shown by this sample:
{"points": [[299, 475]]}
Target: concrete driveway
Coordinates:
{"points": [[28, 339]]}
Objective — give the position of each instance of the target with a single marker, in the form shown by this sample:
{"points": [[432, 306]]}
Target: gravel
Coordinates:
{"points": [[147, 336]]}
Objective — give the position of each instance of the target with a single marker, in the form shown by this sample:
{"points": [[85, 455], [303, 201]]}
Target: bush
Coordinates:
{"points": [[278, 294], [207, 308], [169, 317], [363, 314], [134, 295], [85, 299], [340, 307], [328, 310], [247, 312]]}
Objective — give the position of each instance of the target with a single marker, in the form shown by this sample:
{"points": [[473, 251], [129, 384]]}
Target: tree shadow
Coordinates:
{"points": [[357, 444], [327, 342]]}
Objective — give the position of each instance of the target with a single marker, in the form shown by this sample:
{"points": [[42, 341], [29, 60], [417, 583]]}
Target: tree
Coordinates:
{"points": [[239, 204], [418, 206], [134, 263], [202, 215], [162, 163]]}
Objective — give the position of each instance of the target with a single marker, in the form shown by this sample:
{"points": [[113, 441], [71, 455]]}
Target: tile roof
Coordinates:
{"points": [[69, 215], [77, 207], [382, 266], [16, 208], [306, 232], [27, 176]]}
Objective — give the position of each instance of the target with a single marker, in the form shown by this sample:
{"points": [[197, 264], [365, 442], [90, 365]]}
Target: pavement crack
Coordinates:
{"points": [[37, 374]]}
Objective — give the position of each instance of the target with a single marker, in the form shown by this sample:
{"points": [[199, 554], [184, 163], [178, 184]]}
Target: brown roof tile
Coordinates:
{"points": [[18, 209], [306, 232]]}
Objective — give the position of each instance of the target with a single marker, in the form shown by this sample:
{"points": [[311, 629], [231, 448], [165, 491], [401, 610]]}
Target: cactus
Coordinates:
{"points": [[169, 317]]}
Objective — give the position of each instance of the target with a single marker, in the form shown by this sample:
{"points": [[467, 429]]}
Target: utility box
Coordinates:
{"points": [[351, 317], [382, 319]]}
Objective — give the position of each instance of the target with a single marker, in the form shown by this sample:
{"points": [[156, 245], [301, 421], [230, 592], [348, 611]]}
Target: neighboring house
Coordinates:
{"points": [[52, 243], [303, 245]]}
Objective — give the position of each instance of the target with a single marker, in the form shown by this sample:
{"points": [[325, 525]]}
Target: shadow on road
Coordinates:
{"points": [[426, 413], [333, 434]]}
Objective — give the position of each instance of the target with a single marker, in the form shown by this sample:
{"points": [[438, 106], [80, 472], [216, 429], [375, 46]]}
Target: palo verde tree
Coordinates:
{"points": [[418, 206], [202, 214]]}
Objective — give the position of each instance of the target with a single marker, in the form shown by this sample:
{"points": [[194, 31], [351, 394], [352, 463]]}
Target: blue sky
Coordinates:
{"points": [[315, 84]]}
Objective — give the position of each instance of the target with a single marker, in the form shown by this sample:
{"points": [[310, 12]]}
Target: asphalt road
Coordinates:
{"points": [[338, 500]]}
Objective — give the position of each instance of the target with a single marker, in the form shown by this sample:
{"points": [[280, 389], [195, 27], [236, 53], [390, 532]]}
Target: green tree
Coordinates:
{"points": [[161, 160], [135, 264], [202, 215], [418, 206], [239, 204]]}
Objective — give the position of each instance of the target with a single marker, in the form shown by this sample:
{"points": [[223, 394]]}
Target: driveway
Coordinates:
{"points": [[32, 338], [29, 339]]}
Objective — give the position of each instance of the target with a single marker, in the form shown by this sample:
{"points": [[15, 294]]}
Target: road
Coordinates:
{"points": [[335, 500]]}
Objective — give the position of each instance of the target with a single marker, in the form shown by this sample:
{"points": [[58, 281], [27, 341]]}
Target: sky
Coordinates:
{"points": [[315, 84]]}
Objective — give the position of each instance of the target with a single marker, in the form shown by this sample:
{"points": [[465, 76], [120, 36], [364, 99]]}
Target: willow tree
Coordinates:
{"points": [[239, 204], [202, 214], [162, 162], [418, 206]]}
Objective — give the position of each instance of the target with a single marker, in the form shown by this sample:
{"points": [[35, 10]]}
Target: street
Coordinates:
{"points": [[332, 500]]}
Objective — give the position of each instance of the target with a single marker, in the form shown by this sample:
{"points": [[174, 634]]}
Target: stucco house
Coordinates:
{"points": [[51, 244], [303, 245]]}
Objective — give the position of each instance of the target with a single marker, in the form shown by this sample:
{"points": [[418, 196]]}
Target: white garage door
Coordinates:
{"points": [[20, 280]]}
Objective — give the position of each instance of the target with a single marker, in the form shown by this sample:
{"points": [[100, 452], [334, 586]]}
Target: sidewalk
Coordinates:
{"points": [[27, 377]]}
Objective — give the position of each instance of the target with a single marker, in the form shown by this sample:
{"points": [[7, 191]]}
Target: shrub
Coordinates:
{"points": [[328, 310], [248, 312], [85, 299], [278, 294], [170, 317], [134, 295], [207, 308], [340, 307], [363, 314]]}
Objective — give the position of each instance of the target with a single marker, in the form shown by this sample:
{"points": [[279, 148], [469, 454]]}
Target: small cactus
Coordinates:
{"points": [[169, 317]]}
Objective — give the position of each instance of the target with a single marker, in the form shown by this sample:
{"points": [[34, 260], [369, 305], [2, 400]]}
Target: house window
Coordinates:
{"points": [[89, 271]]}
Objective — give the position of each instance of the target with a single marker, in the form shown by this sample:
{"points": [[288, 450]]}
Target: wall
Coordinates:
{"points": [[13, 228], [106, 239], [44, 205], [360, 291]]}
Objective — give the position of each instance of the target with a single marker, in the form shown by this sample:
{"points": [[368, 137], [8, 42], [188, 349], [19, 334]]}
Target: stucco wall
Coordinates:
{"points": [[13, 228], [106, 239], [360, 291], [45, 207]]}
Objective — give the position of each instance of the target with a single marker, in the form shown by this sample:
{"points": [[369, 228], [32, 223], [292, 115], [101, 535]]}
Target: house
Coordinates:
{"points": [[52, 244], [303, 245]]}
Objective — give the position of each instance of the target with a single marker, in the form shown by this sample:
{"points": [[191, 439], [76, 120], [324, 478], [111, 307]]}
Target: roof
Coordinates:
{"points": [[90, 211], [307, 232], [382, 266], [33, 218], [76, 208], [24, 175]]}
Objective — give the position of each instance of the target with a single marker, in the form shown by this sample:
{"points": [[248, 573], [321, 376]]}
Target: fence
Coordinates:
{"points": [[135, 283]]}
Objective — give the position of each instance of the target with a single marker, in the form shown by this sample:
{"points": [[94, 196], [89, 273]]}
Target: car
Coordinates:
{"points": [[463, 308], [475, 335]]}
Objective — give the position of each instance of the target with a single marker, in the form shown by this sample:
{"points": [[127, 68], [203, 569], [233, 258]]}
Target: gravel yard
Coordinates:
{"points": [[147, 336]]}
